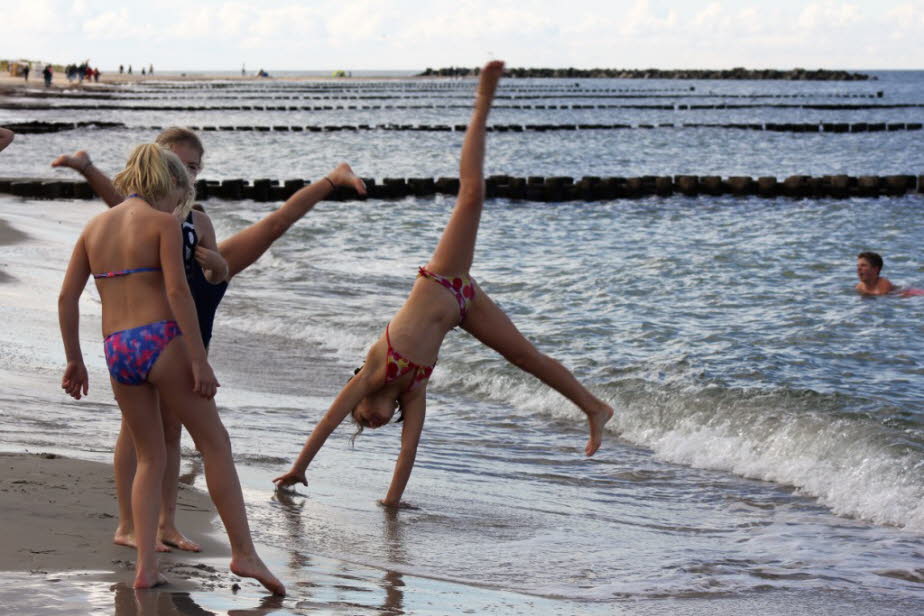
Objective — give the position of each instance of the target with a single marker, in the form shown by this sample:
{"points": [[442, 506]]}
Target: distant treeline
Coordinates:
{"points": [[796, 74]]}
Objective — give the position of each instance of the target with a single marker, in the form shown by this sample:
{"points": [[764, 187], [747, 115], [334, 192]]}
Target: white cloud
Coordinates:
{"points": [[36, 17], [357, 21], [111, 25], [294, 34], [827, 15]]}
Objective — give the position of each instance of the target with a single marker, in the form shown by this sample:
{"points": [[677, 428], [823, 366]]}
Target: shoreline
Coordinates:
{"points": [[59, 516], [60, 82]]}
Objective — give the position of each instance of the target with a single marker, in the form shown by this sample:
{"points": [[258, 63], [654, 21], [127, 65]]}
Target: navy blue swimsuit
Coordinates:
{"points": [[206, 295]]}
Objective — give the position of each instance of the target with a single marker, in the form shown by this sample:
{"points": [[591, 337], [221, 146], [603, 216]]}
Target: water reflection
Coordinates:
{"points": [[161, 602], [292, 505], [339, 583], [392, 581]]}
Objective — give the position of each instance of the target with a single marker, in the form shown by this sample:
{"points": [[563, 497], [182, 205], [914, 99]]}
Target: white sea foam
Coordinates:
{"points": [[847, 462]]}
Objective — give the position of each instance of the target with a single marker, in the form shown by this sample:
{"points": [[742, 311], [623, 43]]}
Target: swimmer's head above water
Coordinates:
{"points": [[869, 265]]}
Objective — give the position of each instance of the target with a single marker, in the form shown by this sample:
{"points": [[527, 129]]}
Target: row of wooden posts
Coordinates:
{"points": [[533, 188], [17, 106], [825, 127]]}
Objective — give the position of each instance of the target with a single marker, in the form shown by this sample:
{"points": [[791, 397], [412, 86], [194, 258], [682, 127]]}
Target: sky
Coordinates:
{"points": [[176, 35]]}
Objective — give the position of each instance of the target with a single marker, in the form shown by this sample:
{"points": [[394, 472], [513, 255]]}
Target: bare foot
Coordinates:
{"points": [[127, 539], [253, 567], [343, 175], [176, 539], [489, 76], [597, 418], [148, 579], [79, 161], [400, 505]]}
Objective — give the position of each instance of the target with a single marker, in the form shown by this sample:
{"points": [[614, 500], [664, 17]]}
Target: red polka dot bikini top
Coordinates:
{"points": [[396, 365]]}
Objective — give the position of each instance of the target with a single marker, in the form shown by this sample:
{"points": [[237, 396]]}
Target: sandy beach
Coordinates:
{"points": [[106, 79], [60, 512]]}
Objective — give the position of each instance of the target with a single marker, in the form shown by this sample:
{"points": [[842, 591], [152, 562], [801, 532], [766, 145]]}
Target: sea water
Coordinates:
{"points": [[769, 430]]}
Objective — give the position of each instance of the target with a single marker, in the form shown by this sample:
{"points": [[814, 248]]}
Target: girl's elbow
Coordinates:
{"points": [[177, 293], [67, 299]]}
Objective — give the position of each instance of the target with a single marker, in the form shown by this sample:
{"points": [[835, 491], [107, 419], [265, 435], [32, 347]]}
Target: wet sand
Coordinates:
{"points": [[59, 514], [57, 557], [9, 235]]}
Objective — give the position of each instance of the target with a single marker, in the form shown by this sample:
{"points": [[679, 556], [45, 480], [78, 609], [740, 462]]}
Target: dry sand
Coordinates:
{"points": [[60, 82]]}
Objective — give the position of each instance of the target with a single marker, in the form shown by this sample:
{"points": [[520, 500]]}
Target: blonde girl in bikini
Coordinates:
{"points": [[398, 366], [154, 349]]}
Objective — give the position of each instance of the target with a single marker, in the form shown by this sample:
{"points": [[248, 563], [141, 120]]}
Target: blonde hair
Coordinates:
{"points": [[152, 171], [177, 134]]}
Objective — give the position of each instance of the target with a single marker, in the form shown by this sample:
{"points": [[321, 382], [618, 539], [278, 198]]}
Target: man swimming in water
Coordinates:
{"points": [[869, 264]]}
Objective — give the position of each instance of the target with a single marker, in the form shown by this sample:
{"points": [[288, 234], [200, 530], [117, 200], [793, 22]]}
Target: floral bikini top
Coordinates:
{"points": [[396, 365]]}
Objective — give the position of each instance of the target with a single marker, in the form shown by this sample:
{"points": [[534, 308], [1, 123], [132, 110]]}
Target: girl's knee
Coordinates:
{"points": [[152, 461], [212, 440], [527, 360], [173, 431]]}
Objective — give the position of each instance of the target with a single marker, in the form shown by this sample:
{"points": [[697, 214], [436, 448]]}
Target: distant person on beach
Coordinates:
{"points": [[121, 69], [150, 69], [25, 72], [47, 74], [209, 268], [134, 252], [6, 138], [129, 69], [397, 369], [869, 265]]}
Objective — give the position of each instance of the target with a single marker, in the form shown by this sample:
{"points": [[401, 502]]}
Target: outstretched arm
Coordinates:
{"points": [[415, 410], [75, 381], [354, 391], [80, 162], [6, 137], [244, 247]]}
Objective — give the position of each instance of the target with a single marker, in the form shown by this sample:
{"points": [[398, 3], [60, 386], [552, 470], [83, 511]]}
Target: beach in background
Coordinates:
{"points": [[766, 451]]}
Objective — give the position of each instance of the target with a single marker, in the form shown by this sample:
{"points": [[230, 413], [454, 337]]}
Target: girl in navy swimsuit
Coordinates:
{"points": [[146, 309], [399, 364]]}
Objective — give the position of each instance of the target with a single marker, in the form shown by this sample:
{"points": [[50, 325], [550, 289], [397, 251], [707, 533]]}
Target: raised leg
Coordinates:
{"points": [[493, 327], [456, 249], [243, 248], [141, 415], [172, 376]]}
